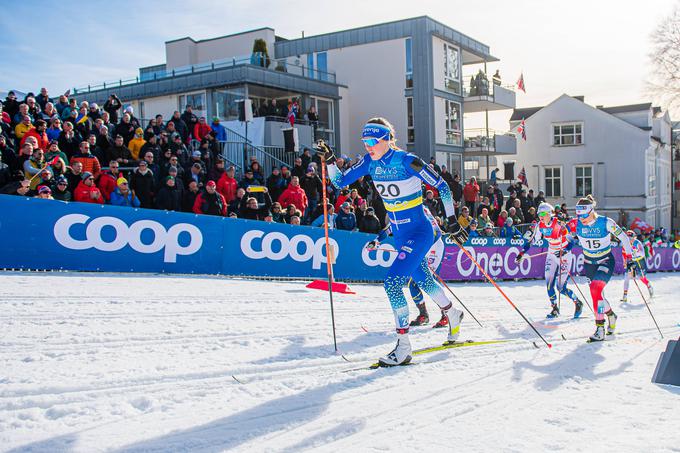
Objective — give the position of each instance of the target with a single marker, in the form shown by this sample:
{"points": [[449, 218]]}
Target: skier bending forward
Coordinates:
{"points": [[397, 176], [434, 260]]}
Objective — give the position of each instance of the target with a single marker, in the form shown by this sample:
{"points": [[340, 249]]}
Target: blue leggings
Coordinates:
{"points": [[411, 262]]}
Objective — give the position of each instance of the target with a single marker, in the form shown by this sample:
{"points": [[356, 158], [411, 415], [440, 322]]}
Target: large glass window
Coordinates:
{"points": [[310, 65], [569, 134], [584, 180], [553, 182], [195, 100], [453, 133], [409, 63], [322, 65], [326, 128], [651, 179], [411, 131], [225, 104], [451, 69]]}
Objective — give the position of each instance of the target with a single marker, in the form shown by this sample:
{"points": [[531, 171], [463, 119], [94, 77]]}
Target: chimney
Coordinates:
{"points": [[580, 98]]}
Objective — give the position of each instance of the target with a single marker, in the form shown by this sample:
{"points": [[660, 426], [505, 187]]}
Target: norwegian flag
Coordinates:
{"points": [[639, 224], [520, 83], [292, 113], [522, 129], [523, 177], [53, 161]]}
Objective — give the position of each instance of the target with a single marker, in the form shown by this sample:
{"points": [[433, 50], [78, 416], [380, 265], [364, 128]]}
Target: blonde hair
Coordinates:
{"points": [[587, 200]]}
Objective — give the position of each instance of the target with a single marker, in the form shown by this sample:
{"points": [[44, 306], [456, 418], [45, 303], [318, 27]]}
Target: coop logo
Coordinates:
{"points": [[383, 256], [479, 241], [257, 245], [163, 239]]}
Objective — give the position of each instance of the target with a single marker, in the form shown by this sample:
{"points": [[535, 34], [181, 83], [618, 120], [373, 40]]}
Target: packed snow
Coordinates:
{"points": [[127, 363]]}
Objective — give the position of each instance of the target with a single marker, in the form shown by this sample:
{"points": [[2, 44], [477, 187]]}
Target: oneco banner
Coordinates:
{"points": [[48, 234]]}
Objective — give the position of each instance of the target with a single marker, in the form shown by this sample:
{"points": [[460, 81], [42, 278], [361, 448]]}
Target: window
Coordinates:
{"points": [[225, 103], [453, 135], [568, 134], [553, 182], [584, 180], [471, 165], [322, 65], [451, 69], [409, 64], [310, 65], [325, 129], [651, 179], [411, 132], [195, 100]]}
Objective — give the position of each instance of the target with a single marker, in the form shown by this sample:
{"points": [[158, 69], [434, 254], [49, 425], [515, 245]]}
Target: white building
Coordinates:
{"points": [[413, 72], [622, 155]]}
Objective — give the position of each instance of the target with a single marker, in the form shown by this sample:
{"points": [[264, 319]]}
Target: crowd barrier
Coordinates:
{"points": [[54, 235]]}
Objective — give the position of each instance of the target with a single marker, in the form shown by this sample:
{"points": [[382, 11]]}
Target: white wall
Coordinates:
{"points": [[164, 105], [375, 75], [344, 106], [616, 149], [187, 52], [439, 122]]}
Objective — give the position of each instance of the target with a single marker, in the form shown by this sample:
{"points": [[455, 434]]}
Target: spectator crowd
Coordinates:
{"points": [[67, 150]]}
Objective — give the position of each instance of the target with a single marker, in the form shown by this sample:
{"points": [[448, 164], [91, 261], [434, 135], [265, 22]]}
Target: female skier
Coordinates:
{"points": [[593, 233], [559, 259], [434, 259], [638, 257], [397, 176]]}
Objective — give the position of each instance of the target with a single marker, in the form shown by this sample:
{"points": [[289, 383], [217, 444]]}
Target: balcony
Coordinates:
{"points": [[483, 142], [481, 94]]}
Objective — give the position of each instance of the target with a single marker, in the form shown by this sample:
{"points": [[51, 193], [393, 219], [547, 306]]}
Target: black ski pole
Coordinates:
{"points": [[646, 304], [459, 301]]}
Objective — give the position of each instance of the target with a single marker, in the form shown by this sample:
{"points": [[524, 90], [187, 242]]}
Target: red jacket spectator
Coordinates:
{"points": [[88, 193], [470, 191], [210, 202], [43, 140], [227, 186], [295, 195], [201, 129], [107, 184]]}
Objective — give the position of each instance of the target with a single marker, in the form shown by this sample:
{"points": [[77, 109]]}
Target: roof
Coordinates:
{"points": [[381, 32], [626, 108], [525, 113], [219, 37]]}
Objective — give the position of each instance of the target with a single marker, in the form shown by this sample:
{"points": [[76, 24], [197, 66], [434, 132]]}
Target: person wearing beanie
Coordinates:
{"points": [[136, 143], [169, 196], [143, 184], [201, 129], [220, 131], [311, 184], [87, 191], [45, 193], [60, 189], [227, 184], [123, 196], [210, 202]]}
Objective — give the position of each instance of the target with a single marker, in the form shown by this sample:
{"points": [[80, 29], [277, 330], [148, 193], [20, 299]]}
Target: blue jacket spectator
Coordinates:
{"points": [[123, 196], [318, 222], [346, 220], [220, 131], [509, 230]]}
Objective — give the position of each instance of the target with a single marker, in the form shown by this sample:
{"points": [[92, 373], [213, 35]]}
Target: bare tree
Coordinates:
{"points": [[664, 82]]}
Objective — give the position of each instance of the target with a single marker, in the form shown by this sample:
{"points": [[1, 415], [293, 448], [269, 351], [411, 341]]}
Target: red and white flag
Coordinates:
{"points": [[523, 177], [520, 83], [522, 129]]}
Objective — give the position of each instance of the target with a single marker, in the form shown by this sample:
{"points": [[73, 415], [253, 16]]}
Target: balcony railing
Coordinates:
{"points": [[258, 60], [482, 85], [490, 141]]}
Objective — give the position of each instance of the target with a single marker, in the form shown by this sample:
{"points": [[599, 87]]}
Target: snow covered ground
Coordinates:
{"points": [[103, 362]]}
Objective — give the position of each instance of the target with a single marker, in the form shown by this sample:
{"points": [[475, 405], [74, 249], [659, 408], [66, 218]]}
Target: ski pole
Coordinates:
{"points": [[559, 280], [459, 301], [573, 280], [329, 252], [493, 282], [647, 305]]}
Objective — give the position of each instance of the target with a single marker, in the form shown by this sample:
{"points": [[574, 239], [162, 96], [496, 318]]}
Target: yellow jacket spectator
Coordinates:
{"points": [[136, 143], [23, 127]]}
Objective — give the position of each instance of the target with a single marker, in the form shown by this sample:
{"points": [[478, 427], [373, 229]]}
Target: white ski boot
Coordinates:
{"points": [[400, 355], [455, 318], [611, 318], [625, 297], [599, 333], [651, 290]]}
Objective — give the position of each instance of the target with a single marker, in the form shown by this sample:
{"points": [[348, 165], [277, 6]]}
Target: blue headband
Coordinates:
{"points": [[377, 131]]}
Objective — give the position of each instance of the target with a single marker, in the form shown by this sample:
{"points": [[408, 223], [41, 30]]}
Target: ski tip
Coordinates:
{"points": [[345, 358], [564, 338], [549, 345], [234, 377], [364, 329], [535, 345]]}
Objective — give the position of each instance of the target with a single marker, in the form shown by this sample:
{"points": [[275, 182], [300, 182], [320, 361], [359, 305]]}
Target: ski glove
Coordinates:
{"points": [[519, 257], [324, 152], [456, 232], [372, 245]]}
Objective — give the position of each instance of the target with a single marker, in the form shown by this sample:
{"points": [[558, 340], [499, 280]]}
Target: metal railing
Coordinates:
{"points": [[280, 65], [481, 85]]}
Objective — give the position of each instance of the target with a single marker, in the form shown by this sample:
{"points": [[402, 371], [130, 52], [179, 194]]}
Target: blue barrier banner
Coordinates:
{"points": [[49, 234]]}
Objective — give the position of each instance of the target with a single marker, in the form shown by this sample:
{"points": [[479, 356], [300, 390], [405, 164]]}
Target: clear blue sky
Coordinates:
{"points": [[596, 48]]}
